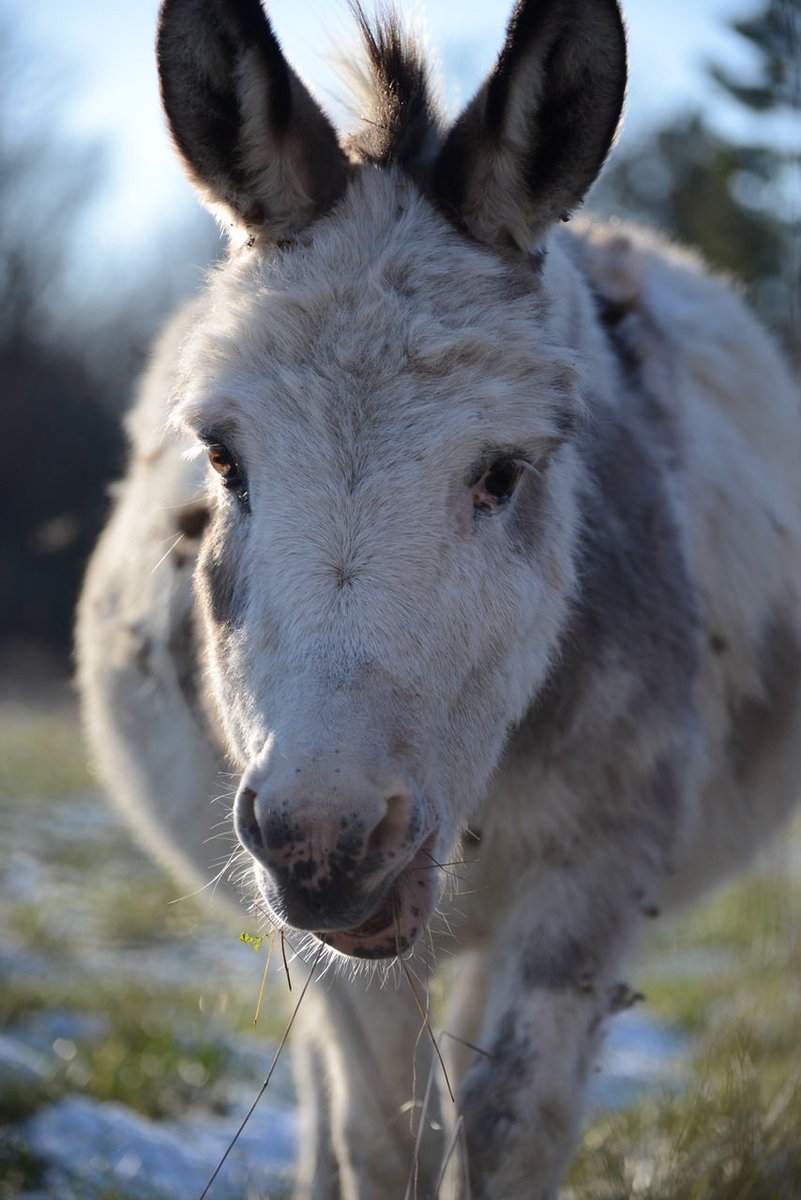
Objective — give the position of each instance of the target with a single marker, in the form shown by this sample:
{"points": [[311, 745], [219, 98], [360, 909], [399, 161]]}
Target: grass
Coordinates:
{"points": [[90, 930], [41, 753], [735, 1134]]}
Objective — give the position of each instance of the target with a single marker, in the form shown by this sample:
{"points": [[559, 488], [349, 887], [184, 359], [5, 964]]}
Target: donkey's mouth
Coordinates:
{"points": [[400, 916]]}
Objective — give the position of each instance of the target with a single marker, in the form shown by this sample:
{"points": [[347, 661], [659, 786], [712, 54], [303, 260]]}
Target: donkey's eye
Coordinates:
{"points": [[226, 466], [496, 486], [223, 460]]}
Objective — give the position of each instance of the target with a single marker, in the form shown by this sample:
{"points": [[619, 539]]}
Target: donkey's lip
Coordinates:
{"points": [[400, 916]]}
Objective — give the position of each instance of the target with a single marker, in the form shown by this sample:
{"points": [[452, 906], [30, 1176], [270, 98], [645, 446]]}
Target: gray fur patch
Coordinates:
{"points": [[184, 649], [220, 590], [635, 612], [759, 725], [489, 1100], [530, 514], [570, 965], [220, 585]]}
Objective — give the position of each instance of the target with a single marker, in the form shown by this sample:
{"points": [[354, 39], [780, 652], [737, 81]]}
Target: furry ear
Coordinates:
{"points": [[260, 151], [534, 138]]}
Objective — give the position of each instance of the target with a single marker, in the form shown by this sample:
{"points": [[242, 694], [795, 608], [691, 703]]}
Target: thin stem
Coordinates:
{"points": [[266, 1083], [427, 1024], [286, 964], [264, 979]]}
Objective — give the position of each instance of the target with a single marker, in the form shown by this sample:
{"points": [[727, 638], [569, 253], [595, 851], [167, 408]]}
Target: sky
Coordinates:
{"points": [[101, 56]]}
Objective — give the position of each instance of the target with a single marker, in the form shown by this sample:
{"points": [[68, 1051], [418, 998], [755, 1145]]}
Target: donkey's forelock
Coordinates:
{"points": [[394, 95]]}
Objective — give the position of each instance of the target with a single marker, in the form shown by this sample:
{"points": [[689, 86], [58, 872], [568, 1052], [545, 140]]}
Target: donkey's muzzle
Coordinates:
{"points": [[334, 869]]}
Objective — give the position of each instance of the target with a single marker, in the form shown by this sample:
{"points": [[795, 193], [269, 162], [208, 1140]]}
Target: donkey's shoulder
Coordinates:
{"points": [[687, 329]]}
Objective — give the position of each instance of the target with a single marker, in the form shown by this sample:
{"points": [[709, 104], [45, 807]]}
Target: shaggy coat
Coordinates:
{"points": [[498, 562]]}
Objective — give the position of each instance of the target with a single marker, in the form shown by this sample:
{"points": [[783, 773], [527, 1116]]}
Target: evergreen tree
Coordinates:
{"points": [[739, 204]]}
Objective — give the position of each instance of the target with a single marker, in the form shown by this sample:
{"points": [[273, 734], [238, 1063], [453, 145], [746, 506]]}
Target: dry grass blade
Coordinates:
{"points": [[268, 1077], [427, 1023], [412, 1183], [464, 1042], [465, 1165], [458, 1133], [264, 980], [286, 964], [448, 866]]}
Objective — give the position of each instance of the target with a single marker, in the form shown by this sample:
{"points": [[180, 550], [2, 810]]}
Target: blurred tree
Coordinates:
{"points": [[58, 437], [774, 33], [67, 360], [737, 202]]}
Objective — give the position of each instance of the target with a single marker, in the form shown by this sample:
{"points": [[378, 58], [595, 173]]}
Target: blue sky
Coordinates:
{"points": [[103, 52]]}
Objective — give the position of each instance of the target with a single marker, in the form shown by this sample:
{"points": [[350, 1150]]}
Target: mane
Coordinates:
{"points": [[393, 95]]}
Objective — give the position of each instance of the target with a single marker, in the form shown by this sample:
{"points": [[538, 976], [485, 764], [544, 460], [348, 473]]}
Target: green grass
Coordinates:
{"points": [[41, 753], [735, 1134], [101, 934]]}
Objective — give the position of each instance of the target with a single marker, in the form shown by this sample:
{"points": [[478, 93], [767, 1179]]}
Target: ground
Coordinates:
{"points": [[129, 1052]]}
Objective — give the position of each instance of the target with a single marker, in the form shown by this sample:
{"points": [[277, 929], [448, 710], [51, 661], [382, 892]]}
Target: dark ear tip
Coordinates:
{"points": [[549, 110], [244, 21], [234, 107]]}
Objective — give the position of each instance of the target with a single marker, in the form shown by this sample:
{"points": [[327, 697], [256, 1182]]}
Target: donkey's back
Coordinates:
{"points": [[712, 395], [498, 559]]}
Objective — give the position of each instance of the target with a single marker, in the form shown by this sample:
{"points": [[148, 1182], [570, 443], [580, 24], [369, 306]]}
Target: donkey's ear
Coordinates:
{"points": [[533, 139], [256, 145]]}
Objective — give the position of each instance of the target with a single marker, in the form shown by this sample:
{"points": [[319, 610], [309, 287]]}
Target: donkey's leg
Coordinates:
{"points": [[553, 978], [318, 1171], [376, 1068], [464, 1015]]}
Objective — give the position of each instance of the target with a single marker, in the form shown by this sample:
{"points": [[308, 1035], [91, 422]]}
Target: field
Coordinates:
{"points": [[129, 1052]]}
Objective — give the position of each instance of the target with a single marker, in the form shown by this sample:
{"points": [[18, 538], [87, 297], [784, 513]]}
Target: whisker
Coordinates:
{"points": [[446, 867], [446, 922], [210, 883], [221, 829], [168, 553], [266, 1083], [297, 952]]}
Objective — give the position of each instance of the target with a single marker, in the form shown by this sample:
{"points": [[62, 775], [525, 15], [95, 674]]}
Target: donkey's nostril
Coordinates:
{"points": [[395, 829], [245, 823]]}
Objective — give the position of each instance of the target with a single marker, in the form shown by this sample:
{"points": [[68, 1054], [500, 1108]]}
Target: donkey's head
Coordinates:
{"points": [[380, 378]]}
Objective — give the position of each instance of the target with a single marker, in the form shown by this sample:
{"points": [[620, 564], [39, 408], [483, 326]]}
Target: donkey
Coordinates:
{"points": [[497, 563]]}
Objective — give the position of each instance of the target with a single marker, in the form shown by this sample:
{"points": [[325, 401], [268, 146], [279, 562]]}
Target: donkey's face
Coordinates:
{"points": [[391, 548], [385, 571]]}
